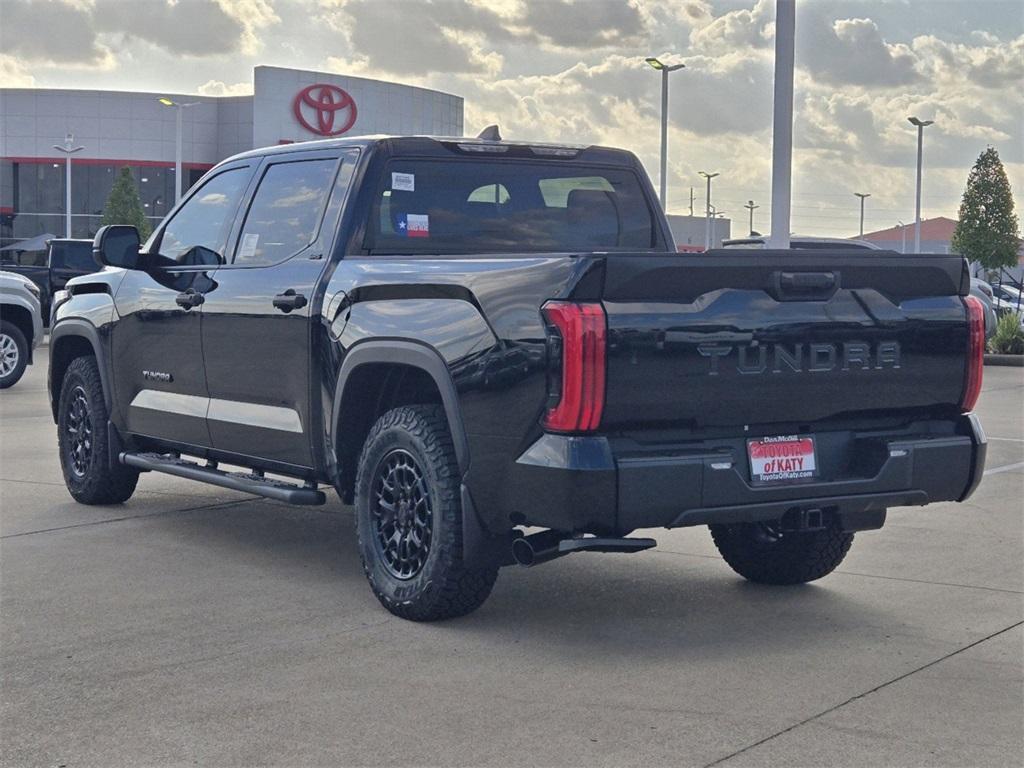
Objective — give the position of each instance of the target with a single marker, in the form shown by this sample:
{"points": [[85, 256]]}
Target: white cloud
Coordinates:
{"points": [[13, 73], [218, 88]]}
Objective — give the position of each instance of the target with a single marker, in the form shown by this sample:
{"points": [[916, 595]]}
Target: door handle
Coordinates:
{"points": [[189, 299], [289, 300]]}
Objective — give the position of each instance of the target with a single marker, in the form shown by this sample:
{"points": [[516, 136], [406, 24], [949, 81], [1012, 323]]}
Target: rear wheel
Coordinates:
{"points": [[409, 519], [82, 439], [13, 354], [764, 553]]}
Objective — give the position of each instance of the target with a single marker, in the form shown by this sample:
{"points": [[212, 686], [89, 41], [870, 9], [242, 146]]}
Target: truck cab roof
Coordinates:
{"points": [[446, 146]]}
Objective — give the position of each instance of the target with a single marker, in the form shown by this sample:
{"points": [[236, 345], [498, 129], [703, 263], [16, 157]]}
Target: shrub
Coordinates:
{"points": [[1009, 337]]}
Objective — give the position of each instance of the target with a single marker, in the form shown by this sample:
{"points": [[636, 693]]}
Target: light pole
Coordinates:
{"points": [[665, 69], [707, 210], [750, 207], [177, 141], [903, 233], [921, 125], [782, 123], [68, 149], [863, 196]]}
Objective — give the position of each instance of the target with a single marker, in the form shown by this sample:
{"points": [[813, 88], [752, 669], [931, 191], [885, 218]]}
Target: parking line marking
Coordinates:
{"points": [[852, 699], [1007, 468], [1007, 439], [126, 517]]}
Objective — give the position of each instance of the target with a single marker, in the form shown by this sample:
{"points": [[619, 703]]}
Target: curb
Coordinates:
{"points": [[1014, 360]]}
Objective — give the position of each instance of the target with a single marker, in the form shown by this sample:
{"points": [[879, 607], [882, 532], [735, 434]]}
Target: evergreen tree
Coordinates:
{"points": [[124, 206], [988, 228]]}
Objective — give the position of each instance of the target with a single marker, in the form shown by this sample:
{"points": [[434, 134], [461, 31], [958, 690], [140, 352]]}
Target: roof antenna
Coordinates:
{"points": [[490, 133]]}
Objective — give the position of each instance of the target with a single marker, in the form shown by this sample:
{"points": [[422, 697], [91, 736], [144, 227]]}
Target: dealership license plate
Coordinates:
{"points": [[782, 459]]}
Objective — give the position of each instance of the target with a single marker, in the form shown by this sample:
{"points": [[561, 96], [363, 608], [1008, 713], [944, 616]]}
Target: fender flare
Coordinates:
{"points": [[416, 355], [81, 329]]}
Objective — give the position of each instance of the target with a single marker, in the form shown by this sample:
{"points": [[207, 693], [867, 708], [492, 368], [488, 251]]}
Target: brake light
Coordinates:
{"points": [[975, 353], [581, 373]]}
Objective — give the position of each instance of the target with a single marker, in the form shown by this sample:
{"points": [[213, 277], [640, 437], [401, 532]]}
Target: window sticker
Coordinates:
{"points": [[403, 182], [413, 225], [248, 249]]}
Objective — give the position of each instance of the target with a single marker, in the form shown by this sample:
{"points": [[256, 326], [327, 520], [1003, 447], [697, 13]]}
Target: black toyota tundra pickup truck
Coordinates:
{"points": [[494, 352]]}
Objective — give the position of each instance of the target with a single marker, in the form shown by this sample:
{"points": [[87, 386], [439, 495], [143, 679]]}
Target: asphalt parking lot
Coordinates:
{"points": [[199, 626]]}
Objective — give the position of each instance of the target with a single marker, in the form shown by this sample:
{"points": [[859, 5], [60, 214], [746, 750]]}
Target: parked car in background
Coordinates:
{"points": [[800, 242], [50, 269], [983, 292], [21, 326], [1008, 300]]}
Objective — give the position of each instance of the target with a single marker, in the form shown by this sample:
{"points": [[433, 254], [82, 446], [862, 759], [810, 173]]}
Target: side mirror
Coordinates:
{"points": [[117, 245]]}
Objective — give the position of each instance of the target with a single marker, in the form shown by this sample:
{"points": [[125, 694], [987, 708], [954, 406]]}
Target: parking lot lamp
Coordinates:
{"points": [[921, 125], [750, 207], [177, 141], [863, 196], [665, 69], [707, 210], [68, 148]]}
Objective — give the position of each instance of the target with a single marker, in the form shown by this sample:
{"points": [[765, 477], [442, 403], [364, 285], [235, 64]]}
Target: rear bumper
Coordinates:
{"points": [[601, 484]]}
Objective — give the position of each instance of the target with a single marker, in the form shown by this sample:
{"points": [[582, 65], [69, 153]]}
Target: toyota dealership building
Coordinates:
{"points": [[119, 129]]}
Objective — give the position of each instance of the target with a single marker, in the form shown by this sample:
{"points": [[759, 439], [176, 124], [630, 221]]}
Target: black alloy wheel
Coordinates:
{"points": [[402, 515], [79, 442]]}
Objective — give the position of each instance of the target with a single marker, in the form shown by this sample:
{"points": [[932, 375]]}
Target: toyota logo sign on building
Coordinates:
{"points": [[324, 109]]}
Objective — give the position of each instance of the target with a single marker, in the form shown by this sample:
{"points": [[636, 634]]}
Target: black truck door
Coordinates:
{"points": [[157, 345], [256, 325]]}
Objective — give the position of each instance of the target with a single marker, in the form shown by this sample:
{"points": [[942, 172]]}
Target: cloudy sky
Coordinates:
{"points": [[567, 70]]}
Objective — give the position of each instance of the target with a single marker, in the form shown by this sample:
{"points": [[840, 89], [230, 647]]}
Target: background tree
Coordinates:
{"points": [[124, 206], [988, 230]]}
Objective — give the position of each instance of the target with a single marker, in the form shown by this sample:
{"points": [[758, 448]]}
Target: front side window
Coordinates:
{"points": [[198, 233], [285, 211], [491, 206]]}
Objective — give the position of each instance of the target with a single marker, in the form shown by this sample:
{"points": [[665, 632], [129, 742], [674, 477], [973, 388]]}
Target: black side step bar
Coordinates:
{"points": [[255, 484]]}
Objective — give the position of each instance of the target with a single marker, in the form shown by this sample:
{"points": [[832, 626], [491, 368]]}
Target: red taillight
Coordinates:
{"points": [[975, 353], [581, 392]]}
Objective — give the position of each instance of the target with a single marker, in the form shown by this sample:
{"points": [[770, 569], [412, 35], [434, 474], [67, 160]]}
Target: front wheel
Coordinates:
{"points": [[82, 439], [763, 553], [409, 518], [13, 354]]}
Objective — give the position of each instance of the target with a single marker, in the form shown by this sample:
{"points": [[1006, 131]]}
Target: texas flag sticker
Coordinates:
{"points": [[413, 225]]}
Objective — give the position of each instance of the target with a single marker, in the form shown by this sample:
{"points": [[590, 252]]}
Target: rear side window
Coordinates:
{"points": [[285, 212], [198, 233], [485, 206]]}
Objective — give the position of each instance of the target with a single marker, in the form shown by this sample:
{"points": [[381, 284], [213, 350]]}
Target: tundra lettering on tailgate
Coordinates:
{"points": [[818, 357]]}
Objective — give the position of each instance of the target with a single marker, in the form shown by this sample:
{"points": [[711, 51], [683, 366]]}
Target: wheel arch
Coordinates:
{"points": [[377, 376], [21, 317], [71, 339]]}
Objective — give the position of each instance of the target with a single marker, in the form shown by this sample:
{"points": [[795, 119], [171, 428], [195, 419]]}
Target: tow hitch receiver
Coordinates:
{"points": [[541, 547], [797, 519]]}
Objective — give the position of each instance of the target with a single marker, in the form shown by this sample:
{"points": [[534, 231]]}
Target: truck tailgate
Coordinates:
{"points": [[727, 339]]}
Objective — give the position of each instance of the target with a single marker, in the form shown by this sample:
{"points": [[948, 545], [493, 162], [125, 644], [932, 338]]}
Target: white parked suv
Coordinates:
{"points": [[21, 326]]}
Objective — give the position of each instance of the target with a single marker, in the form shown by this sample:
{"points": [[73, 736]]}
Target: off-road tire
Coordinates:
{"points": [[13, 332], [443, 587], [99, 482], [759, 552]]}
